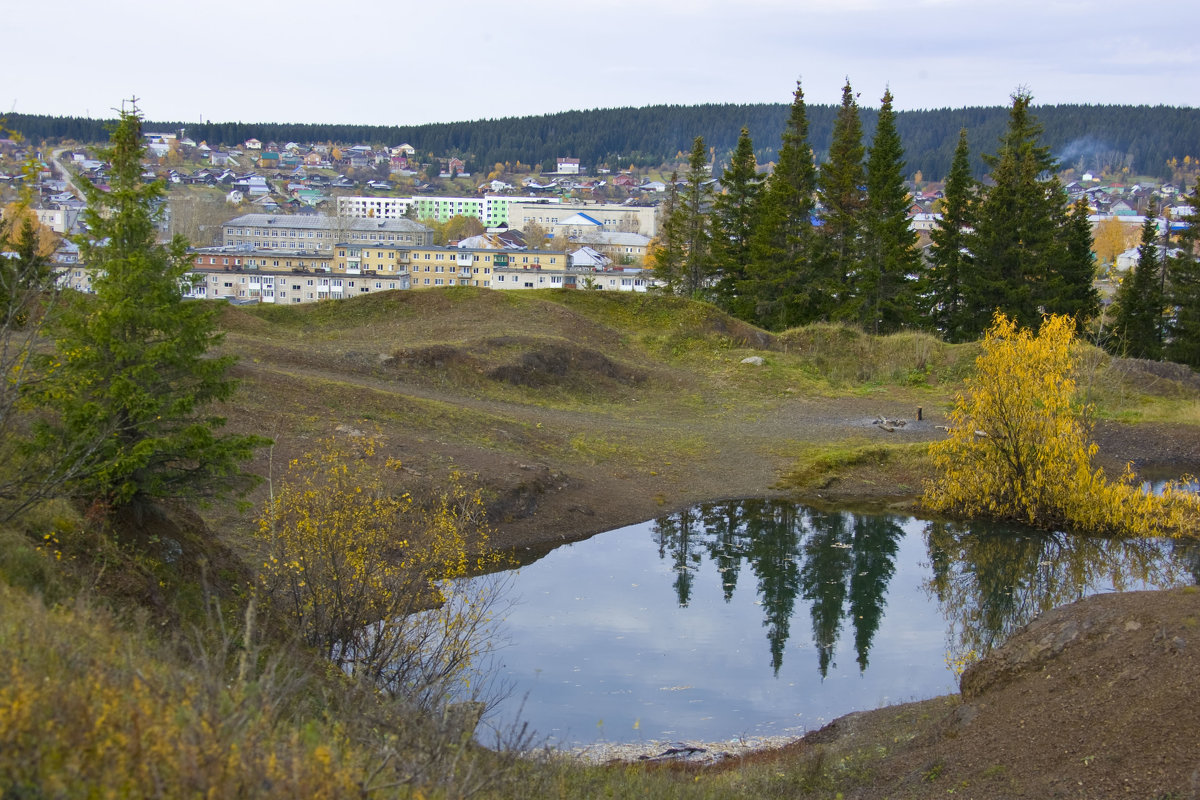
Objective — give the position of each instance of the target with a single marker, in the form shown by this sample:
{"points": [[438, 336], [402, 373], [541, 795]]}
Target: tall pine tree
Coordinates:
{"points": [[944, 291], [841, 191], [1071, 287], [1014, 245], [666, 252], [781, 281], [735, 210], [130, 388], [1183, 292], [1138, 318], [890, 264], [695, 204]]}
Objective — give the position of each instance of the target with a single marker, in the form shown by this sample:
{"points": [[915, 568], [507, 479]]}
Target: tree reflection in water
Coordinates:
{"points": [[988, 580], [841, 563]]}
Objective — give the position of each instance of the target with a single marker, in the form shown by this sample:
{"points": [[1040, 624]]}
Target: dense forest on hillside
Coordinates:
{"points": [[1088, 137]]}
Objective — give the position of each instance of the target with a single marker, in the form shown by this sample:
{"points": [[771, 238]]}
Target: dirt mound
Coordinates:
{"points": [[1096, 699], [525, 361], [436, 356], [1157, 377], [560, 364], [742, 333]]}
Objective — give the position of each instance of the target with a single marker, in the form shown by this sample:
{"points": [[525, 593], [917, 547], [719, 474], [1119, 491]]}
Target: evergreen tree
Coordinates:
{"points": [[694, 207], [781, 281], [682, 257], [1072, 288], [841, 191], [130, 384], [666, 251], [1016, 227], [1183, 292], [734, 212], [890, 261], [945, 287], [1138, 318]]}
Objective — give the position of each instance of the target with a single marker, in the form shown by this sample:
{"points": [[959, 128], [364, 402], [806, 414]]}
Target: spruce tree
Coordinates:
{"points": [[944, 291], [734, 213], [694, 208], [1138, 318], [666, 250], [890, 262], [1183, 292], [1071, 287], [781, 280], [1014, 244], [130, 386], [841, 186]]}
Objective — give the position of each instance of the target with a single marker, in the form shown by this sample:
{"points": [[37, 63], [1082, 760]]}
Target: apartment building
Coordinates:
{"points": [[319, 232], [285, 287], [558, 218], [374, 207], [242, 275], [431, 267], [515, 276], [491, 210], [296, 276]]}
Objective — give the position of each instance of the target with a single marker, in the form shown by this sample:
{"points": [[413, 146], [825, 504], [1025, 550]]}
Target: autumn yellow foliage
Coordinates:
{"points": [[1020, 447], [374, 580], [88, 710]]}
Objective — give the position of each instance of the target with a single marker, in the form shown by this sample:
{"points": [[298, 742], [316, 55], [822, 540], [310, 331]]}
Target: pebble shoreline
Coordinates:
{"points": [[680, 751]]}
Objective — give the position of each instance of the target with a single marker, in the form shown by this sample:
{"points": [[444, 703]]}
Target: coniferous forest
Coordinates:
{"points": [[829, 240], [1091, 137]]}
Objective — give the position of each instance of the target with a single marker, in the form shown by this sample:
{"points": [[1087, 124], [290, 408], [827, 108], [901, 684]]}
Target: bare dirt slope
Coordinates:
{"points": [[1092, 700]]}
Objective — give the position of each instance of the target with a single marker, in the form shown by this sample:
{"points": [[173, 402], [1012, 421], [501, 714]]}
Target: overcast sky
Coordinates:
{"points": [[391, 62]]}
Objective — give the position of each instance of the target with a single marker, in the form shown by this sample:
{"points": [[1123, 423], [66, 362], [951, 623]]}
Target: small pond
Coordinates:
{"points": [[763, 618]]}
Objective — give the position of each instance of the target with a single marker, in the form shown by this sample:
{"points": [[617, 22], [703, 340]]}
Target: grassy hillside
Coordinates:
{"points": [[574, 412]]}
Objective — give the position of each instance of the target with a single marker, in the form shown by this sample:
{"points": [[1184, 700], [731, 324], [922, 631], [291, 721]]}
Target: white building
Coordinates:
{"points": [[374, 207], [553, 216]]}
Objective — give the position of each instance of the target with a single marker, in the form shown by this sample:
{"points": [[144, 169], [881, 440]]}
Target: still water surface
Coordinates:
{"points": [[762, 618]]}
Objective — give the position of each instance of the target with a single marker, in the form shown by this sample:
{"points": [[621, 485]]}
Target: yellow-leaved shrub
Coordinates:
{"points": [[372, 579], [1020, 448]]}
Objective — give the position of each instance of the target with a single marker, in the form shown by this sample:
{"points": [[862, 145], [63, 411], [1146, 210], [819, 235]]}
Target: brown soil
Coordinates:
{"points": [[1092, 700]]}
